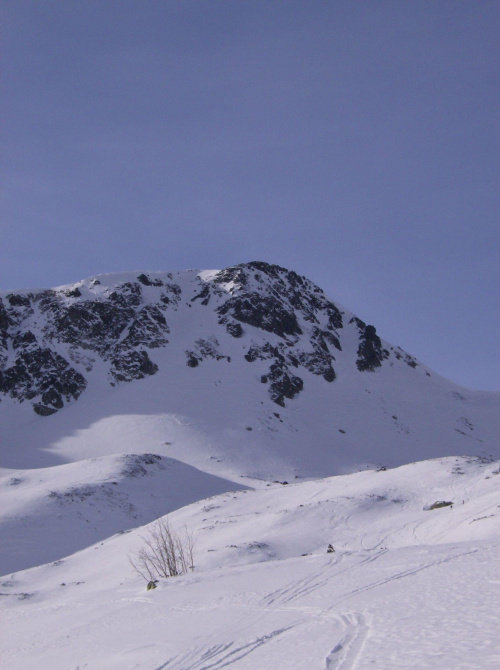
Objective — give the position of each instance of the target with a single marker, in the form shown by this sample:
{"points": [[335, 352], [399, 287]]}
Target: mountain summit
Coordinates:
{"points": [[57, 336], [249, 371]]}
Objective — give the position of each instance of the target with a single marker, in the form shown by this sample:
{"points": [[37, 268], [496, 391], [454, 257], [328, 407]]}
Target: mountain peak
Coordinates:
{"points": [[51, 339], [254, 353]]}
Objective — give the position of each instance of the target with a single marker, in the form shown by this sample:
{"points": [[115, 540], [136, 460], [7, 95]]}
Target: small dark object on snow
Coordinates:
{"points": [[152, 584], [441, 503], [330, 549], [382, 469]]}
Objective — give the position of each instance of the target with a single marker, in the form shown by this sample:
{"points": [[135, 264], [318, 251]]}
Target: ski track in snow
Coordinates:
{"points": [[296, 588], [220, 655], [303, 587], [401, 575], [343, 656], [303, 611]]}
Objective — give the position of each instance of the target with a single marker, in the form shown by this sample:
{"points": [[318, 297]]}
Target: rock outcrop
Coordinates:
{"points": [[52, 340]]}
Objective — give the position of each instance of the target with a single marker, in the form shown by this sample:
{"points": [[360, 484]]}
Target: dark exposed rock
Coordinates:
{"points": [[286, 285], [402, 355], [132, 365], [262, 353], [135, 465], [299, 329], [334, 341], [24, 340], [287, 294], [205, 348], [334, 317], [208, 348], [371, 334], [203, 295], [90, 324], [284, 297], [16, 300], [20, 309], [192, 361], [370, 352], [42, 372], [235, 274], [361, 325], [283, 384], [147, 281], [266, 313], [129, 295], [4, 317], [320, 361], [96, 325], [170, 296], [234, 329], [52, 397], [45, 299], [320, 341], [148, 329], [4, 335], [319, 364], [42, 410]]}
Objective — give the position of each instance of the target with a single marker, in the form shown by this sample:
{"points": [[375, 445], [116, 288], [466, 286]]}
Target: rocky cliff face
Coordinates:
{"points": [[53, 341]]}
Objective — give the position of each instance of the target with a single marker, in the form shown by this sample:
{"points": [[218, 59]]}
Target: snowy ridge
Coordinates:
{"points": [[77, 504]]}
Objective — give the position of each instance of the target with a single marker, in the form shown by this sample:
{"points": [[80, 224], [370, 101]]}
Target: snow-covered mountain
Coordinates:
{"points": [[227, 400], [246, 372]]}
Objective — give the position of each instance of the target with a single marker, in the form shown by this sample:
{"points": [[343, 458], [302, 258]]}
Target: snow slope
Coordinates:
{"points": [[126, 397], [48, 513], [250, 372], [407, 587]]}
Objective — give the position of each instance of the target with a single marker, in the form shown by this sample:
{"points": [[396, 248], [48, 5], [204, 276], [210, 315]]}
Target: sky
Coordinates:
{"points": [[356, 143]]}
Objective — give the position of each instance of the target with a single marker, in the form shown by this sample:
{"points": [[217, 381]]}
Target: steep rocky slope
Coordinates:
{"points": [[248, 371], [52, 339]]}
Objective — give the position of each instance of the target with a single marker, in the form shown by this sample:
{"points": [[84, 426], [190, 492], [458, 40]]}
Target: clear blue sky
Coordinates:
{"points": [[354, 142]]}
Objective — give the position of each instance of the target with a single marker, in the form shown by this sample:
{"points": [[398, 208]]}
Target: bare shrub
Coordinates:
{"points": [[164, 553]]}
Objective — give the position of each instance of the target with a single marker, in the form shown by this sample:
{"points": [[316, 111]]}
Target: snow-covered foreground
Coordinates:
{"points": [[406, 587]]}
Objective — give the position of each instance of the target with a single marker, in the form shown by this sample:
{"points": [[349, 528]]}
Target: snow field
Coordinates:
{"points": [[405, 588]]}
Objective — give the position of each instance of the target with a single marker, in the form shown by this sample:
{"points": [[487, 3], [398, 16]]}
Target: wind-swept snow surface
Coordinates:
{"points": [[405, 587]]}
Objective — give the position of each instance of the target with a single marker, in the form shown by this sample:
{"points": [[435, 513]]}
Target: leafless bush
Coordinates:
{"points": [[164, 553]]}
